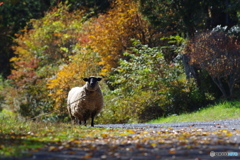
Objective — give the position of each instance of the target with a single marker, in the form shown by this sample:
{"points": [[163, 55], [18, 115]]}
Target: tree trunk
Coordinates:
{"points": [[231, 83], [189, 69], [218, 82]]}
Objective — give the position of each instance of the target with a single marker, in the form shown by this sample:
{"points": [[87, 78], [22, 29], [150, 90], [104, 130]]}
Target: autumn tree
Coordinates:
{"points": [[219, 54], [111, 33], [39, 53], [91, 7]]}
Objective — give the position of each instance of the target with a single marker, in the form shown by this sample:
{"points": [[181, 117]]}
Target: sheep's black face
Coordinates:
{"points": [[92, 82]]}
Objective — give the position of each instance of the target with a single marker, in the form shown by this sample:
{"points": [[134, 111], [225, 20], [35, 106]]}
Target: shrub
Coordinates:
{"points": [[147, 87], [217, 52]]}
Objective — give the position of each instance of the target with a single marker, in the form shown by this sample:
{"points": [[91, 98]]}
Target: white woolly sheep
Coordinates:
{"points": [[85, 102]]}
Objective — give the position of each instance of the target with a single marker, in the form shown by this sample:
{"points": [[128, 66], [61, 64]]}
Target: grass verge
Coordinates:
{"points": [[219, 111]]}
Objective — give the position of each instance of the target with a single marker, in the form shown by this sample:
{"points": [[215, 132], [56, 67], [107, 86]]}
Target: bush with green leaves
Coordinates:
{"points": [[147, 87]]}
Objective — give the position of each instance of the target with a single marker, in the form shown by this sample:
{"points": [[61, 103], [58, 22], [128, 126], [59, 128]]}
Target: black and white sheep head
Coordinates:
{"points": [[92, 83]]}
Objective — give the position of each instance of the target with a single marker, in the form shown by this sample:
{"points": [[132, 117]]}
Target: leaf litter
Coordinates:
{"points": [[141, 143]]}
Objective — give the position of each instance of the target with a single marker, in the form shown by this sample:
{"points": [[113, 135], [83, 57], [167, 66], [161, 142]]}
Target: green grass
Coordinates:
{"points": [[218, 111]]}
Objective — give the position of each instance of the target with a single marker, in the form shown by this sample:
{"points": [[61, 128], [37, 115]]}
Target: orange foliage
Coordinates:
{"points": [[83, 64], [110, 34]]}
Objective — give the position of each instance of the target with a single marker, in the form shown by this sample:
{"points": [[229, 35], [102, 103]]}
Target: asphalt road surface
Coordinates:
{"points": [[209, 125], [212, 140]]}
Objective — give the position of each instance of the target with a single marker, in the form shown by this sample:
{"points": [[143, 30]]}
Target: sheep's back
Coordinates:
{"points": [[76, 100], [75, 94]]}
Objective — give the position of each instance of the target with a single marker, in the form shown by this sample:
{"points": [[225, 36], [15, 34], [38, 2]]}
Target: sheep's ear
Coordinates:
{"points": [[99, 79], [85, 79]]}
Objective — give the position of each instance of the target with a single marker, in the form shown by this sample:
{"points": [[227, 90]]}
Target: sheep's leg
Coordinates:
{"points": [[92, 123], [73, 121], [92, 117], [71, 116], [76, 121], [84, 122]]}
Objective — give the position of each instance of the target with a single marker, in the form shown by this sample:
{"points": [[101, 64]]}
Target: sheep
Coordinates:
{"points": [[85, 102]]}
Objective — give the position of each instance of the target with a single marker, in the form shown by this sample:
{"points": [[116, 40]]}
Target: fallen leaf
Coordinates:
{"points": [[172, 151]]}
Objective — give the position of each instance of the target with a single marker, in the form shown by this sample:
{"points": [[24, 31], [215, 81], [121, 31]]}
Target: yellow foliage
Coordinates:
{"points": [[111, 33], [83, 64]]}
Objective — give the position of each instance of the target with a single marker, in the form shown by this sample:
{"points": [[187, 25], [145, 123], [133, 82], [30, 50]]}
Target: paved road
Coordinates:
{"points": [[181, 141], [210, 125]]}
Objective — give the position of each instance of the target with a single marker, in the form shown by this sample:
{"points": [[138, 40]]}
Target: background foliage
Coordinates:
{"points": [[147, 87], [218, 53], [157, 58]]}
